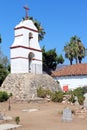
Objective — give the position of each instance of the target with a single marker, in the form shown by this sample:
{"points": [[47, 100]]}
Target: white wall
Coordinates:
{"points": [[19, 65], [23, 52], [20, 61], [22, 46], [72, 81]]}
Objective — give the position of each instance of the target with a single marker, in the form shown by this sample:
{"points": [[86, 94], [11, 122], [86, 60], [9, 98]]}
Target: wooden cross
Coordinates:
{"points": [[26, 8]]}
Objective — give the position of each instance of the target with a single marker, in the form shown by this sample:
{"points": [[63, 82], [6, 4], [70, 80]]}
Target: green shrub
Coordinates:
{"points": [[43, 92], [57, 96], [81, 99], [79, 92], [72, 98], [84, 89], [3, 96], [17, 119], [48, 92], [10, 95]]}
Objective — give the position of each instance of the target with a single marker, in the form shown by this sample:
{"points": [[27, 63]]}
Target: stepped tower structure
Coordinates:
{"points": [[26, 64], [26, 54]]}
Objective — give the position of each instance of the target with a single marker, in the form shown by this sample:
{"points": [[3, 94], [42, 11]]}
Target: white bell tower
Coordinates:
{"points": [[26, 54]]}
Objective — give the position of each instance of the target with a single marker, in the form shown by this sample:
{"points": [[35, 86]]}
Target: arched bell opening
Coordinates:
{"points": [[30, 37], [30, 58]]}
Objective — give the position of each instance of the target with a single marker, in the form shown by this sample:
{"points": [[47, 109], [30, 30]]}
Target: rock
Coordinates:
{"points": [[24, 85]]}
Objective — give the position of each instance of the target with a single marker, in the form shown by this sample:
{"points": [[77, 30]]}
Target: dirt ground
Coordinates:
{"points": [[46, 117]]}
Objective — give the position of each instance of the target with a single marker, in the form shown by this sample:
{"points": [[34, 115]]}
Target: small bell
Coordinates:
{"points": [[30, 35]]}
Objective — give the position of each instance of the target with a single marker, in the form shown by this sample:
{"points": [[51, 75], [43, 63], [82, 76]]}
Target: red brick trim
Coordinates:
{"points": [[19, 46], [25, 58], [19, 35], [36, 59], [26, 28], [19, 57]]}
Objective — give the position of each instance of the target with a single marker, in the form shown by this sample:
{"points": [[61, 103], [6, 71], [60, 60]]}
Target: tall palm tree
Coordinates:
{"points": [[75, 42], [69, 52], [75, 50], [82, 52], [78, 48], [41, 31]]}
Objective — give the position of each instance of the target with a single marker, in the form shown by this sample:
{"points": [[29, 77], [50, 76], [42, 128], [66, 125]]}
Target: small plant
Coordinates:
{"points": [[10, 95], [79, 92], [3, 96], [57, 96], [81, 99], [43, 92], [72, 98], [17, 119]]}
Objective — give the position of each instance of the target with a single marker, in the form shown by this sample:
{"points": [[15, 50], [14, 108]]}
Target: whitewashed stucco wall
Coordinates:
{"points": [[23, 52], [22, 46], [72, 81]]}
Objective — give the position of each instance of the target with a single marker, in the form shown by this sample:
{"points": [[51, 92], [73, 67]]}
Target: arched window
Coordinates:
{"points": [[30, 35], [30, 57]]}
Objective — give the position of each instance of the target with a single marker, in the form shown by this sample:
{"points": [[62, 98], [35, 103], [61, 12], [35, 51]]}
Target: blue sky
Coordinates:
{"points": [[61, 19]]}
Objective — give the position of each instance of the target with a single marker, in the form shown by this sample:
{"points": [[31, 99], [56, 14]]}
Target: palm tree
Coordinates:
{"points": [[78, 48], [75, 42], [75, 50], [69, 52], [41, 31]]}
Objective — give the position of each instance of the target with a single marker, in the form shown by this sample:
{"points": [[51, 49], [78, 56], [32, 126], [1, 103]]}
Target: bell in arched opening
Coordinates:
{"points": [[30, 35]]}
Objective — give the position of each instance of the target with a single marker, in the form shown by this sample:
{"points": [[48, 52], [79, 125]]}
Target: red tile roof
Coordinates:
{"points": [[71, 70]]}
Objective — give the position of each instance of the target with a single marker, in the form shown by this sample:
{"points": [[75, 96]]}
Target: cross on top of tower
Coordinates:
{"points": [[26, 9]]}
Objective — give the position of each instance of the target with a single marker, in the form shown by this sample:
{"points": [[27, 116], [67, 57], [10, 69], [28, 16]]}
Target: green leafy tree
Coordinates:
{"points": [[3, 73], [4, 67], [60, 59], [3, 59], [75, 50], [50, 60]]}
